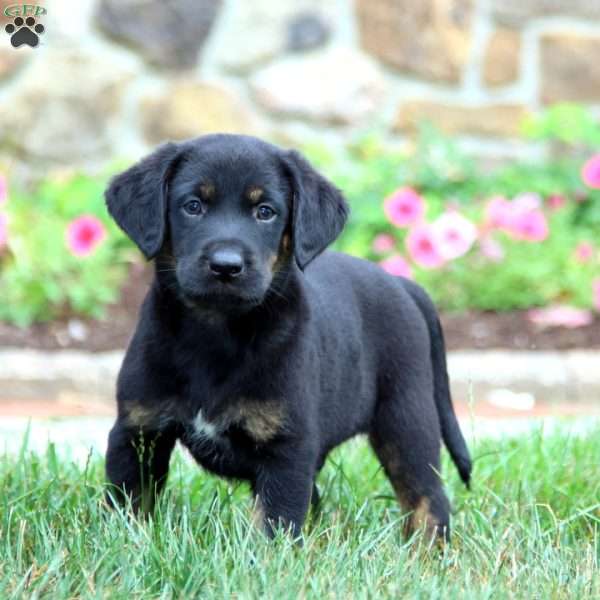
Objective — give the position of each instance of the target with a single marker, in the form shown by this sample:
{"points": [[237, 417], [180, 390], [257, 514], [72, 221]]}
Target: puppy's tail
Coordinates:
{"points": [[451, 434]]}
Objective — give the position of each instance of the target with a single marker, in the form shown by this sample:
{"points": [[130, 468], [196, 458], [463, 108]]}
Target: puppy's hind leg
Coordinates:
{"points": [[405, 435]]}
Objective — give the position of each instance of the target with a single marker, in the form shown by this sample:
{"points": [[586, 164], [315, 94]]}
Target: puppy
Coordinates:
{"points": [[259, 352]]}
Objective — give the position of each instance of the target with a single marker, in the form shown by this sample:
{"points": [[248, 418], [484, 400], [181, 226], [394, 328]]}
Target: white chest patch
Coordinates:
{"points": [[204, 428]]}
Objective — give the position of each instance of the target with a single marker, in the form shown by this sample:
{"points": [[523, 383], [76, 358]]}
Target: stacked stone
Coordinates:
{"points": [[113, 77]]}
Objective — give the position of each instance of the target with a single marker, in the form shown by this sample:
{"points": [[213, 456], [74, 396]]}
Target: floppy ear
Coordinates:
{"points": [[137, 199], [319, 210]]}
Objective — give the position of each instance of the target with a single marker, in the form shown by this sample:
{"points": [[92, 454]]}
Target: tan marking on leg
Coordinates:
{"points": [[388, 455], [421, 516], [422, 519]]}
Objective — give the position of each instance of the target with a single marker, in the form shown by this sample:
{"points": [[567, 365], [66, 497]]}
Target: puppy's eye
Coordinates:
{"points": [[265, 213], [193, 207]]}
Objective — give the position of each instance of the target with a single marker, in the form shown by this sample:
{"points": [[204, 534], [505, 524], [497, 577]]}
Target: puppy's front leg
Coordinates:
{"points": [[283, 490], [137, 463]]}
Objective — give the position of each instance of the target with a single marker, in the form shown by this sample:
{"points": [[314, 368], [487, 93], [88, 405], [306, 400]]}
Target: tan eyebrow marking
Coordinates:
{"points": [[207, 191], [254, 194]]}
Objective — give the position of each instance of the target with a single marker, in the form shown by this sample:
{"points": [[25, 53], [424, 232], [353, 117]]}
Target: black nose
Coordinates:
{"points": [[226, 263]]}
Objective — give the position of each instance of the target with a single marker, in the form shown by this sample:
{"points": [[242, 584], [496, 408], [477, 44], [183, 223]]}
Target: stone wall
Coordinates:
{"points": [[111, 78]]}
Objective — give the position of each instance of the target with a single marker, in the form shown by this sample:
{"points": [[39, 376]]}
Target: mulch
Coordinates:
{"points": [[470, 330], [514, 331]]}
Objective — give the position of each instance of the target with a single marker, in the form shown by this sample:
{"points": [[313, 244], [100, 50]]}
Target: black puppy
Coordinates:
{"points": [[258, 354]]}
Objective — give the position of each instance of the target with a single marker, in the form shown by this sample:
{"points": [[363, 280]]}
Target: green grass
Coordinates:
{"points": [[529, 529]]}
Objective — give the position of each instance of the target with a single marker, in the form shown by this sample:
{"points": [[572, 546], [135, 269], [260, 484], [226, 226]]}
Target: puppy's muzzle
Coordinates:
{"points": [[226, 263]]}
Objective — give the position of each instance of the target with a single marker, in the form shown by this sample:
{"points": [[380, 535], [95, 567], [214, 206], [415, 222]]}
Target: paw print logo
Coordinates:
{"points": [[24, 32]]}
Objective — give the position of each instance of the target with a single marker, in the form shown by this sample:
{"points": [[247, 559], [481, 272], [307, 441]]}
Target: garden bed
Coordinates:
{"points": [[508, 255], [466, 330]]}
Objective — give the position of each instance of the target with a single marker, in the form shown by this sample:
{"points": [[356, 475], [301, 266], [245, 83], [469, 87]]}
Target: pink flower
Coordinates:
{"points": [[3, 189], [491, 249], [422, 245], [521, 218], [404, 207], [454, 233], [84, 234], [556, 201], [383, 243], [3, 231], [498, 212], [530, 226], [596, 293], [560, 316], [584, 251], [526, 202], [397, 265], [590, 172]]}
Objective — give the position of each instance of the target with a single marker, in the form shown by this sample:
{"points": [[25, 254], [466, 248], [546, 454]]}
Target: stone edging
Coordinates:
{"points": [[65, 375], [572, 376]]}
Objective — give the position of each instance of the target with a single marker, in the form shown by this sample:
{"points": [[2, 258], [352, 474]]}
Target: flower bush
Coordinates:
{"points": [[519, 236], [60, 254], [522, 236]]}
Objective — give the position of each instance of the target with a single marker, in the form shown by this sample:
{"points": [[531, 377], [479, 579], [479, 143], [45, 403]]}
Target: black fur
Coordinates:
{"points": [[137, 200], [320, 212], [259, 353]]}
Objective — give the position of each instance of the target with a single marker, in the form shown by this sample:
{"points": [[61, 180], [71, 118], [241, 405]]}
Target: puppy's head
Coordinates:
{"points": [[229, 213]]}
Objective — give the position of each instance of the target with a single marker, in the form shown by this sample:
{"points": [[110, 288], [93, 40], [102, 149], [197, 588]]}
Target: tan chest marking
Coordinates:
{"points": [[141, 416], [262, 420], [152, 416]]}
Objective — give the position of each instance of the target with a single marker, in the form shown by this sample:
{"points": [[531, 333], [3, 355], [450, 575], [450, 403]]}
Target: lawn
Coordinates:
{"points": [[529, 529]]}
